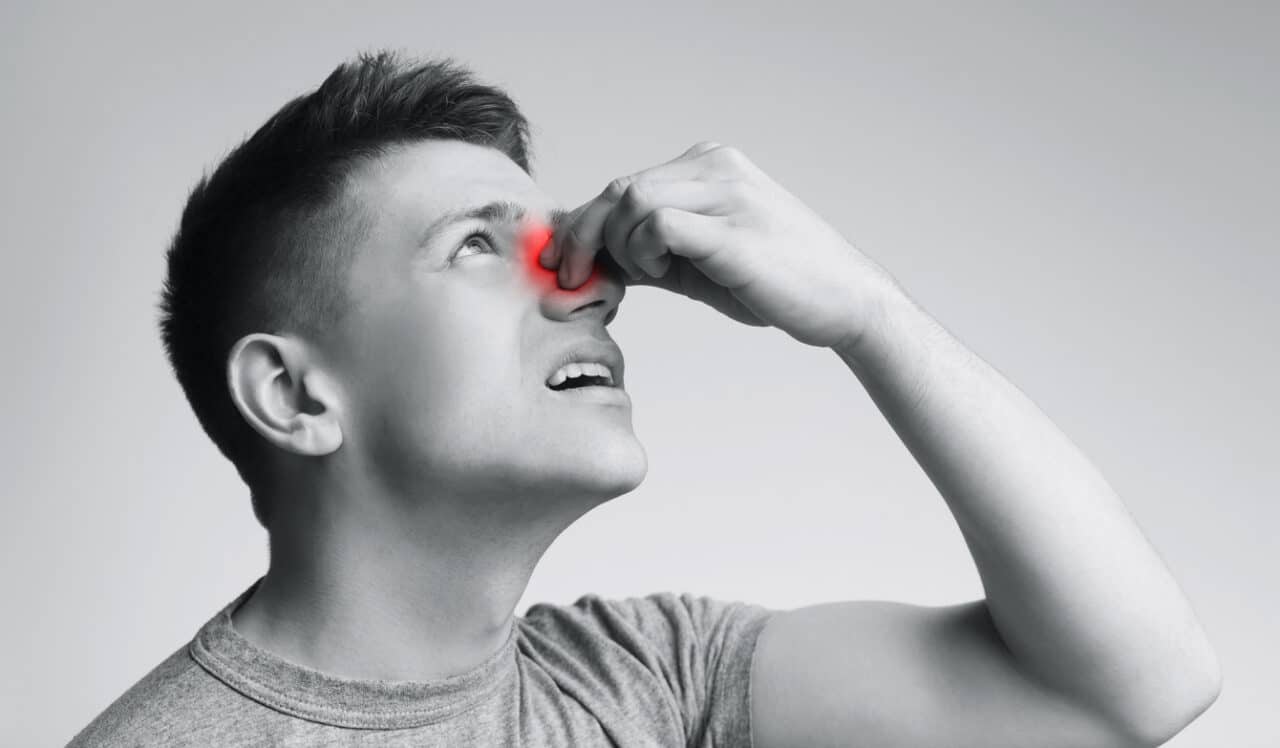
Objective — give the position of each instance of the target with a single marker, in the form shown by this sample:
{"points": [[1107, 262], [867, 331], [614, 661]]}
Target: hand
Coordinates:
{"points": [[712, 226]]}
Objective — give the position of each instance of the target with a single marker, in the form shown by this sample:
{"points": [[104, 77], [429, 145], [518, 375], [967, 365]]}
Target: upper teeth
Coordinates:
{"points": [[580, 369]]}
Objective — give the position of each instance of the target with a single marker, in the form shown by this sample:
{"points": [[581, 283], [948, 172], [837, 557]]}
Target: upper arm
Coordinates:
{"points": [[882, 674]]}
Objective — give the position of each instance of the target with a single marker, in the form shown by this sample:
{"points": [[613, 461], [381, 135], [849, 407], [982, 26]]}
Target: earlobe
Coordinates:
{"points": [[279, 392]]}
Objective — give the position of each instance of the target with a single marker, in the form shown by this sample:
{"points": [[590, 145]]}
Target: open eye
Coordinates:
{"points": [[481, 240]]}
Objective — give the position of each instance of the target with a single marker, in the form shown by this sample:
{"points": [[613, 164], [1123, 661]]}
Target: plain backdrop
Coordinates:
{"points": [[1084, 194]]}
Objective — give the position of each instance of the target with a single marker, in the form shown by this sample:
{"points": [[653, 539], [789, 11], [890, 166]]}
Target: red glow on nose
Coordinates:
{"points": [[536, 237]]}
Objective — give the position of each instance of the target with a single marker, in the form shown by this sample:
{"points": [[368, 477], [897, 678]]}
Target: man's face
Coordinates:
{"points": [[444, 357]]}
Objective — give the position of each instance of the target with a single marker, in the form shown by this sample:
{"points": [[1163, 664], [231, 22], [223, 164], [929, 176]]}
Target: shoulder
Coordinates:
{"points": [[661, 617], [692, 653], [672, 607], [687, 640], [174, 704]]}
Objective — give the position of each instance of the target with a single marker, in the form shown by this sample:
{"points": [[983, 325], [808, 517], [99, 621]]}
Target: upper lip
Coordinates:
{"points": [[595, 351]]}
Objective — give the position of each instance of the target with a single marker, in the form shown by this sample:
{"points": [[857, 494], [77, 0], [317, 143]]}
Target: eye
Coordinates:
{"points": [[479, 239]]}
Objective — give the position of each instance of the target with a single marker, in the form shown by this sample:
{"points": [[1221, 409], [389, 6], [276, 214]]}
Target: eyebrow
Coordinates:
{"points": [[498, 211]]}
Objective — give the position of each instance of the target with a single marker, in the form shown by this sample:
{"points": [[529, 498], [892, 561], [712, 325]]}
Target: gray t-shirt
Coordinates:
{"points": [[659, 670]]}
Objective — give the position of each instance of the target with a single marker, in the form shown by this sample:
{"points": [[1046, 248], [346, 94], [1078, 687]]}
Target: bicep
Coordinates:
{"points": [[881, 674]]}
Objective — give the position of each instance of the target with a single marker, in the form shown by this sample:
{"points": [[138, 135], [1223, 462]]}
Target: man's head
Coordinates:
{"points": [[350, 300]]}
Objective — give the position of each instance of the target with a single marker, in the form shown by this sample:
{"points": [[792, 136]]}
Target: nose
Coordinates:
{"points": [[598, 297]]}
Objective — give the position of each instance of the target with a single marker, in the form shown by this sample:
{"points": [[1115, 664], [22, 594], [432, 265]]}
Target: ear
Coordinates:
{"points": [[284, 396]]}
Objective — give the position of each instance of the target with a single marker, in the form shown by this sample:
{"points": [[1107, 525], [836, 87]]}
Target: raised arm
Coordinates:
{"points": [[1084, 638]]}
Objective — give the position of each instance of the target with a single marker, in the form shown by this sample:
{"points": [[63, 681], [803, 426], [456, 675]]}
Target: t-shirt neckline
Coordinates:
{"points": [[333, 700]]}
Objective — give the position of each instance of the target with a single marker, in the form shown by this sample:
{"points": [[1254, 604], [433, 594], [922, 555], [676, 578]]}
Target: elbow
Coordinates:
{"points": [[1174, 704]]}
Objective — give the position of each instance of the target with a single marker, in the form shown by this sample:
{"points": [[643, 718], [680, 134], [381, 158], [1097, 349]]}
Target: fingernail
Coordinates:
{"points": [[550, 255], [553, 250]]}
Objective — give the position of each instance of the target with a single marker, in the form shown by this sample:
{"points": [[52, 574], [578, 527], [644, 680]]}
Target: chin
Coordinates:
{"points": [[608, 469], [621, 467]]}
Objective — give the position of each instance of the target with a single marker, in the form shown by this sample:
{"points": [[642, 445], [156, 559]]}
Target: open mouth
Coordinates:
{"points": [[591, 369], [579, 375], [590, 381], [577, 383]]}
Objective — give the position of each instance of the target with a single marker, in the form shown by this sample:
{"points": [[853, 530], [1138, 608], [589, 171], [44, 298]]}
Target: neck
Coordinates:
{"points": [[394, 590]]}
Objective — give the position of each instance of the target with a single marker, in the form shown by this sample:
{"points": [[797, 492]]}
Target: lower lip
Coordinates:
{"points": [[597, 394]]}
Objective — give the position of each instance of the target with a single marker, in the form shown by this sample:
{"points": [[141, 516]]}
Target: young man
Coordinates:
{"points": [[365, 312]]}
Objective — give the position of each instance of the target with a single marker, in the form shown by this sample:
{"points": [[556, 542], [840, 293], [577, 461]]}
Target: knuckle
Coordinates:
{"points": [[617, 188], [731, 156], [574, 234], [660, 221], [636, 195]]}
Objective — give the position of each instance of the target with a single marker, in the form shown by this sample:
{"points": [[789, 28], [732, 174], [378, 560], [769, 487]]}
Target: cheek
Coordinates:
{"points": [[442, 370]]}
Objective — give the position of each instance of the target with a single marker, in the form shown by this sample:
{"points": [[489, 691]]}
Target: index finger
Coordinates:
{"points": [[582, 235], [583, 232]]}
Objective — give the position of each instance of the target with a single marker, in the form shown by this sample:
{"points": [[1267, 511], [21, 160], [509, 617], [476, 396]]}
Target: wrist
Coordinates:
{"points": [[882, 304]]}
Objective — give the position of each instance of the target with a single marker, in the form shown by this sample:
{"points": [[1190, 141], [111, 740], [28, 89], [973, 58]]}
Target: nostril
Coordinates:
{"points": [[609, 317]]}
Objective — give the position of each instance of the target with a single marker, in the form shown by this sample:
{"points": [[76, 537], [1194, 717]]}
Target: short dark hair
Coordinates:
{"points": [[262, 243]]}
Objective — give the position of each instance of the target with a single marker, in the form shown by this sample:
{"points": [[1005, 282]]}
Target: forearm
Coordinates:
{"points": [[1079, 597]]}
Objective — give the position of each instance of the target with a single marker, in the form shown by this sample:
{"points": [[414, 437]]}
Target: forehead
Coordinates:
{"points": [[425, 180]]}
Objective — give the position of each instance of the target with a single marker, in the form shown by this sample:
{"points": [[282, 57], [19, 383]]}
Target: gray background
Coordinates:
{"points": [[1084, 194]]}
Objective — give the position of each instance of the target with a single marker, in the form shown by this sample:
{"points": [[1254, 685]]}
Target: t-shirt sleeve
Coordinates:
{"points": [[698, 647]]}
